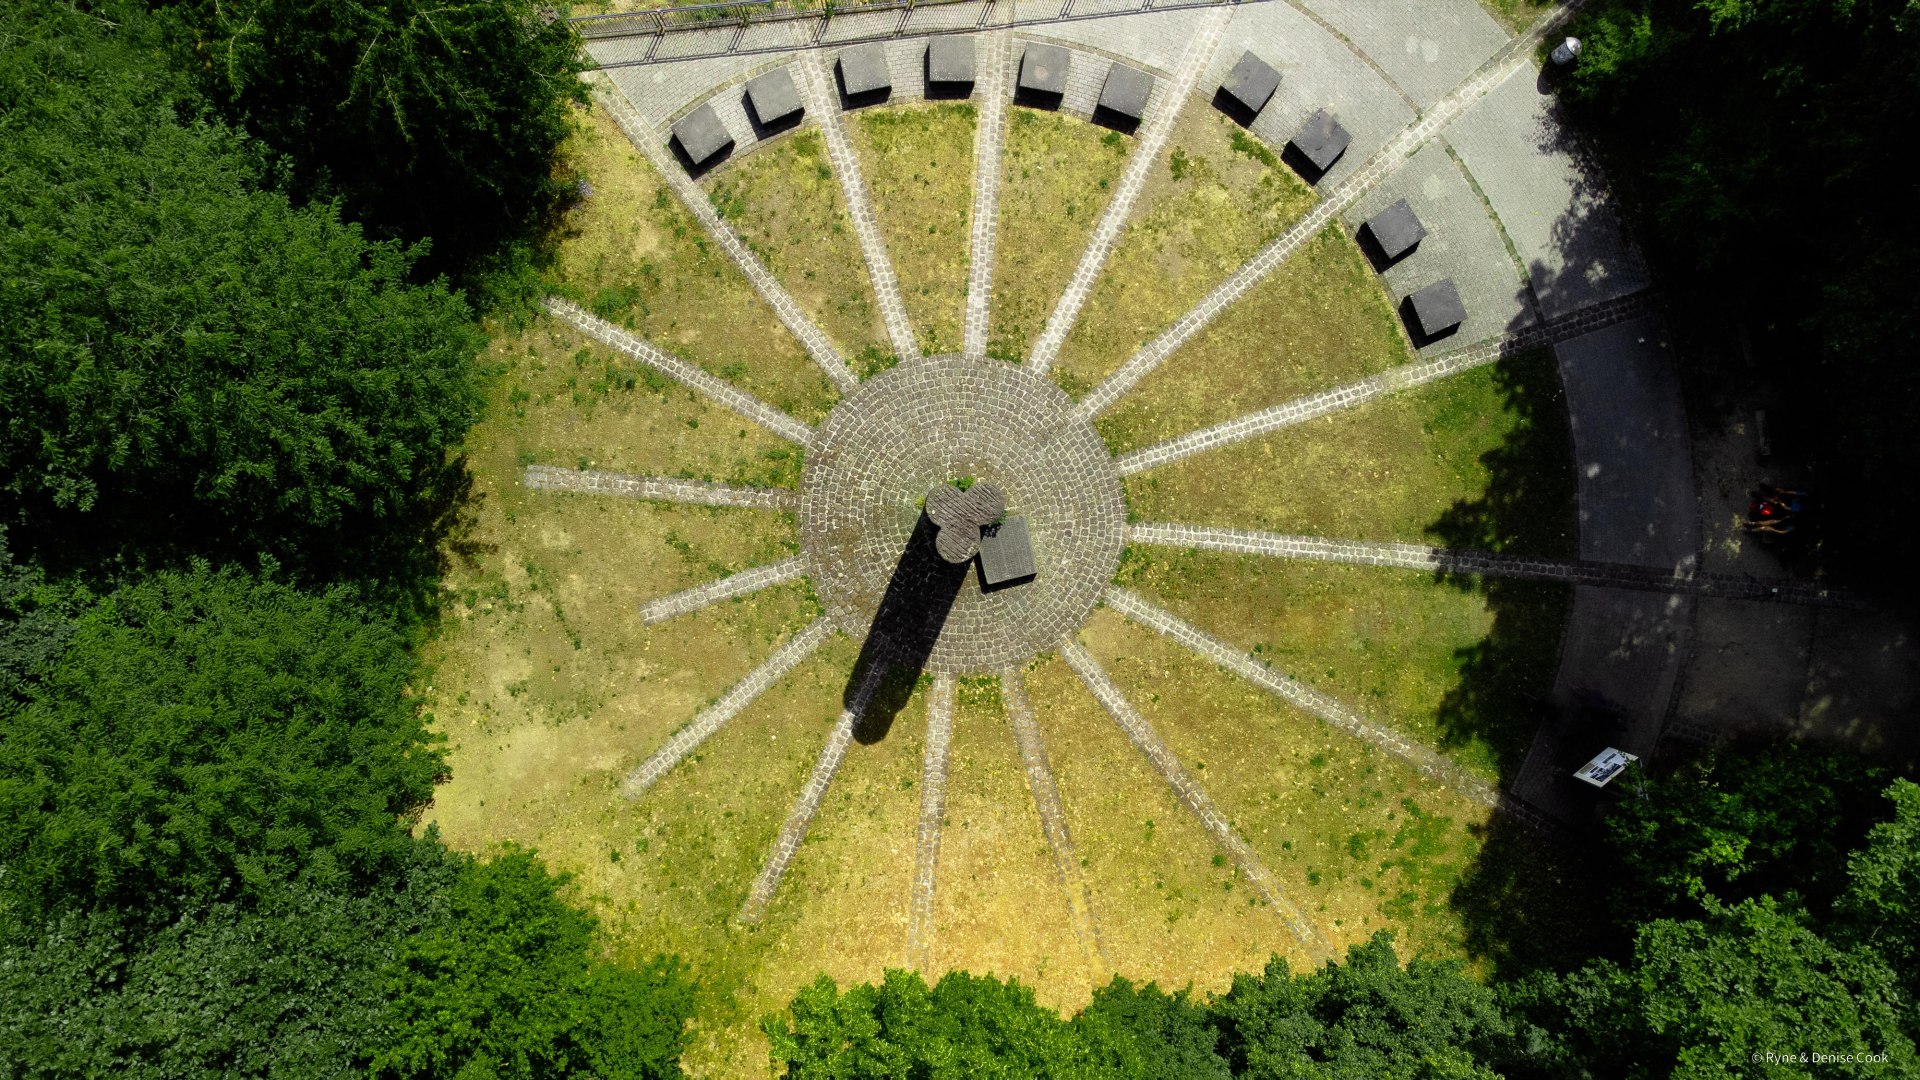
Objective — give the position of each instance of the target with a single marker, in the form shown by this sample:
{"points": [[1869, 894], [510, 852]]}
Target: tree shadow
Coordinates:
{"points": [[903, 633]]}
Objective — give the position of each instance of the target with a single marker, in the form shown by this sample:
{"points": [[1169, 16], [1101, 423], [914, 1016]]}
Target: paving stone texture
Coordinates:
{"points": [[1053, 820], [1425, 48], [992, 59], [659, 488], [933, 807], [726, 588], [918, 425]]}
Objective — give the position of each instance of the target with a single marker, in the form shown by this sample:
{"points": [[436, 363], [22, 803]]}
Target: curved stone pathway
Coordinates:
{"points": [[933, 809], [1194, 797], [1053, 821]]}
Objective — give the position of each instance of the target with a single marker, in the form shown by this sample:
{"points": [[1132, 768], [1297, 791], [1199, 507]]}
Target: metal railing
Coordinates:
{"points": [[723, 29]]}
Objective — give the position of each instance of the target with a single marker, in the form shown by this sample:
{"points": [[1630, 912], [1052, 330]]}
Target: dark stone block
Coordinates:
{"points": [[1006, 554], [1043, 72], [1320, 143], [863, 72], [1436, 310], [950, 60], [1123, 97], [1395, 230], [1249, 86], [701, 135], [773, 97]]}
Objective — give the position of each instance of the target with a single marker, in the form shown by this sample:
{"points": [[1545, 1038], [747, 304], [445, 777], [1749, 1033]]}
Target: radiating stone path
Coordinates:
{"points": [[1053, 821], [1395, 379], [988, 140], [719, 390], [933, 809], [713, 592], [1194, 797], [1171, 98], [658, 488], [651, 141], [822, 102], [1325, 212], [793, 832], [1683, 579], [739, 696]]}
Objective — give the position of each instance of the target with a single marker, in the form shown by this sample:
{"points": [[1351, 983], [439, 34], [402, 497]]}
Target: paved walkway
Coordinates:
{"points": [[933, 807], [1053, 820], [658, 488], [993, 60], [713, 592], [1195, 798]]}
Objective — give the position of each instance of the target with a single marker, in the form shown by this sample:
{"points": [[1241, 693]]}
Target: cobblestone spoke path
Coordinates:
{"points": [[1195, 797], [817, 83], [988, 140], [721, 391], [658, 488], [1153, 136], [1405, 377], [799, 819], [1053, 822], [651, 141], [740, 584], [1683, 579], [1326, 211], [933, 807], [710, 719]]}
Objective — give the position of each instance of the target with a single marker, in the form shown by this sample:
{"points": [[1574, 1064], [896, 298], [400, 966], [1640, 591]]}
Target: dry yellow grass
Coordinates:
{"points": [[918, 164]]}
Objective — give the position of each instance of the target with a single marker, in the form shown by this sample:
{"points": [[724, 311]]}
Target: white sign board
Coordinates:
{"points": [[1604, 767]]}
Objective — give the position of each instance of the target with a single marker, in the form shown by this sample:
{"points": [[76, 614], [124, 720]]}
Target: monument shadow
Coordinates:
{"points": [[913, 611]]}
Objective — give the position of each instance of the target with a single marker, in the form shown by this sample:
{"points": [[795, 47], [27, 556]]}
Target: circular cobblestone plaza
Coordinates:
{"points": [[942, 420]]}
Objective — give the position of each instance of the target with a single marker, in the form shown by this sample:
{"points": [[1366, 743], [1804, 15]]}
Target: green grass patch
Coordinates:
{"points": [[1058, 174], [918, 165], [1320, 320], [1201, 216], [784, 200]]}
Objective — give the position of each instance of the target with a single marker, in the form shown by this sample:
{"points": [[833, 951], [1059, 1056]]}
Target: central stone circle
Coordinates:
{"points": [[930, 422]]}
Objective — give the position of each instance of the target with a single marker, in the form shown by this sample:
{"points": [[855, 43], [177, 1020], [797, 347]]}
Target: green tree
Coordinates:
{"points": [[1145, 1033], [204, 729], [188, 362], [1368, 1017], [435, 120], [1882, 903], [508, 985]]}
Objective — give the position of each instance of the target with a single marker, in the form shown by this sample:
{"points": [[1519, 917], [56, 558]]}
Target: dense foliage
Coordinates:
{"points": [[429, 120], [1773, 203], [187, 359]]}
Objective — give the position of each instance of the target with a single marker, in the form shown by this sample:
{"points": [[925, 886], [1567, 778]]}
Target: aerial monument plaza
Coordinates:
{"points": [[1032, 499]]}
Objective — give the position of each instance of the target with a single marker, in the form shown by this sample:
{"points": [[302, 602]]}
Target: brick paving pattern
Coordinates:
{"points": [[1685, 579], [1153, 135], [1392, 380], [1194, 797], [713, 592], [990, 72], [1515, 54], [822, 94], [933, 807], [904, 431], [651, 141], [737, 697], [793, 832], [693, 378], [658, 488], [1053, 820]]}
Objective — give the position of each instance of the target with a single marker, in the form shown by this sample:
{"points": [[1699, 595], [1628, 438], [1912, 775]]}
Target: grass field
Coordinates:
{"points": [[1209, 204], [784, 200], [1318, 321], [918, 164], [1057, 176]]}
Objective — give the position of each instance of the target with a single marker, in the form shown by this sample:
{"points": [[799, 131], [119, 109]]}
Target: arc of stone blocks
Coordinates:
{"points": [[1392, 380], [1301, 696], [817, 83], [793, 832], [1683, 579], [651, 141], [658, 488], [721, 391], [1053, 822], [713, 592], [989, 139], [933, 808], [738, 697], [1148, 742], [1153, 136], [1323, 213]]}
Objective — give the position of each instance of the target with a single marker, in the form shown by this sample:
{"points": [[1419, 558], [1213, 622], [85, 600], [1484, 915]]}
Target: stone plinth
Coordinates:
{"points": [[773, 96], [1251, 83], [701, 135]]}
